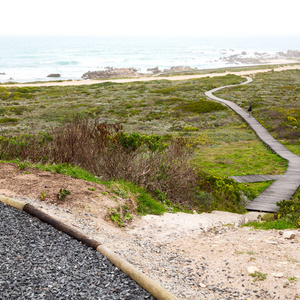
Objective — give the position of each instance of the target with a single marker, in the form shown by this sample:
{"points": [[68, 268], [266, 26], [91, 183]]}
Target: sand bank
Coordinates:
{"points": [[293, 65]]}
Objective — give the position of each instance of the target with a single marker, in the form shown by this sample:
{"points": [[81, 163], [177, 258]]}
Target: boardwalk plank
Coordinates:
{"points": [[254, 178], [284, 186]]}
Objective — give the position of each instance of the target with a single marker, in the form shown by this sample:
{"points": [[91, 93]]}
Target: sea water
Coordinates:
{"points": [[27, 59]]}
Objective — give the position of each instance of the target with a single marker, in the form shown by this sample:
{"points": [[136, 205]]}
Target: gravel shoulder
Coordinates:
{"points": [[195, 256], [39, 262]]}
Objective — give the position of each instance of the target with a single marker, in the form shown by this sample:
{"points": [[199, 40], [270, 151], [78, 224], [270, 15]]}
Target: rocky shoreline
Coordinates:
{"points": [[110, 72], [231, 59]]}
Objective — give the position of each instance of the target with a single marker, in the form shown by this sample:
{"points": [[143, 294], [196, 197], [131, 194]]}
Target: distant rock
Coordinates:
{"points": [[155, 70], [110, 72], [289, 235], [278, 275], [178, 69], [2, 73], [290, 54], [237, 59], [54, 75]]}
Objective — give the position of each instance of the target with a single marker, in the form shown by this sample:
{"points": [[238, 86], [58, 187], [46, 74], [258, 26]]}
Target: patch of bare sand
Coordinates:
{"points": [[294, 64], [194, 256]]}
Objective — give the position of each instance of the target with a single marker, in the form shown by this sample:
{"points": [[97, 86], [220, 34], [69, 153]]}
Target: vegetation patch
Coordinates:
{"points": [[287, 216], [201, 106], [63, 193], [289, 211], [8, 120], [258, 276], [225, 193], [120, 215], [238, 158]]}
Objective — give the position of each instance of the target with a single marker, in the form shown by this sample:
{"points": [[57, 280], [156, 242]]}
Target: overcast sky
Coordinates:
{"points": [[150, 18]]}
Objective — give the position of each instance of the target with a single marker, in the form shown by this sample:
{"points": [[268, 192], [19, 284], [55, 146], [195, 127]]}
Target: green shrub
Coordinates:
{"points": [[132, 141], [288, 216], [268, 217], [258, 276], [279, 224], [121, 215], [289, 210], [34, 148], [225, 192], [63, 193], [28, 90], [4, 94], [8, 120], [189, 128], [145, 203], [165, 90], [202, 106], [18, 110]]}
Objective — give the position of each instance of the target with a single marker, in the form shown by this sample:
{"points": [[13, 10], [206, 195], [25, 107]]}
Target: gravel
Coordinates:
{"points": [[39, 262]]}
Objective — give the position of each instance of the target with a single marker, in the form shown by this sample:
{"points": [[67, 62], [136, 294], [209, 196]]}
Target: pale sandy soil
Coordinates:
{"points": [[173, 78], [195, 256]]}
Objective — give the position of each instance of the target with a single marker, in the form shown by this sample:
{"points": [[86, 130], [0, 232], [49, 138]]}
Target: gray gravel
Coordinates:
{"points": [[39, 262]]}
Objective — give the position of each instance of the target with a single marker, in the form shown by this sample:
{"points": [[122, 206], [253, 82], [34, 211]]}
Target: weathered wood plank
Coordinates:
{"points": [[254, 178]]}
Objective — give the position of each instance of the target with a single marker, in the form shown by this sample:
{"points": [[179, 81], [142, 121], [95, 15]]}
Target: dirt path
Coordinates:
{"points": [[195, 256], [172, 78]]}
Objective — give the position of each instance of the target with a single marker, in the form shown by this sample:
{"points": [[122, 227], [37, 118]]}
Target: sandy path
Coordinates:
{"points": [[195, 256], [172, 78]]}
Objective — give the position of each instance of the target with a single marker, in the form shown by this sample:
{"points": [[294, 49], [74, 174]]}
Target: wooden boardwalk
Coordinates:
{"points": [[255, 178], [286, 185]]}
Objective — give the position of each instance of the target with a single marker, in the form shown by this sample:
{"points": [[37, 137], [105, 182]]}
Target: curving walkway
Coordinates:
{"points": [[286, 185]]}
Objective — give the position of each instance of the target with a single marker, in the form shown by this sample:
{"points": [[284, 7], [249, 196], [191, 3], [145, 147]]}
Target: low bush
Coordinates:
{"points": [[8, 120], [287, 216], [202, 106], [4, 94], [132, 141], [190, 128], [289, 210], [225, 193]]}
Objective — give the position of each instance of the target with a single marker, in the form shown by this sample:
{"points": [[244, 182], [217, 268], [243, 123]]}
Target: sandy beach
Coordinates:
{"points": [[292, 66]]}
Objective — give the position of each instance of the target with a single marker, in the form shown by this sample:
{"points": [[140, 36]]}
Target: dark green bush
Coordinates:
{"points": [[132, 141], [8, 120], [289, 210], [225, 192], [202, 106], [165, 90], [4, 94]]}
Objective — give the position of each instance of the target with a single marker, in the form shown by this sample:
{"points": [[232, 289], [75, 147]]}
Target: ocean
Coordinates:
{"points": [[27, 59]]}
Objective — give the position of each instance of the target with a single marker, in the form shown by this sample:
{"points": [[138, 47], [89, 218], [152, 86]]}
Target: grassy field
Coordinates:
{"points": [[222, 143]]}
